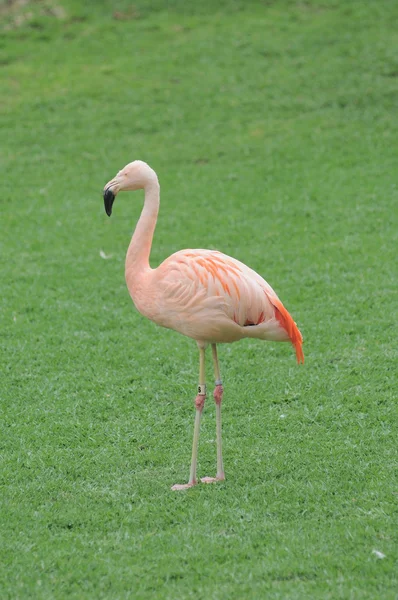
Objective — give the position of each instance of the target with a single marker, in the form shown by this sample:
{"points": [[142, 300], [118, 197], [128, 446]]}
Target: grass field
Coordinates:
{"points": [[272, 127]]}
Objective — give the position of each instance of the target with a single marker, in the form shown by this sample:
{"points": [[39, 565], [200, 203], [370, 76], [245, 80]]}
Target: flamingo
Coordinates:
{"points": [[203, 294]]}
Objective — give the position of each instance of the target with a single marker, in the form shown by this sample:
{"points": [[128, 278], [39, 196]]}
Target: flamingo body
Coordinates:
{"points": [[213, 298], [203, 294]]}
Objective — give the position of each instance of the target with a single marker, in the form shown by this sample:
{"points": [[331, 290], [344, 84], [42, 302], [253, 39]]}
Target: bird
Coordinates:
{"points": [[203, 294]]}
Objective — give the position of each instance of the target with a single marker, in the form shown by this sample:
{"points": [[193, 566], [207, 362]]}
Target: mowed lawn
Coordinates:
{"points": [[273, 129]]}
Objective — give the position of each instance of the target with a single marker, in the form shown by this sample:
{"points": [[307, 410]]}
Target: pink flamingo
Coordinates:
{"points": [[203, 294]]}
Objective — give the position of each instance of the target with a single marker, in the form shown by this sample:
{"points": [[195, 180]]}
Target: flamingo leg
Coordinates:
{"points": [[218, 393], [199, 404]]}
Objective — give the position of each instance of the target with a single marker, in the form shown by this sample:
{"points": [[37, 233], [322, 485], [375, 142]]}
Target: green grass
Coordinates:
{"points": [[272, 127]]}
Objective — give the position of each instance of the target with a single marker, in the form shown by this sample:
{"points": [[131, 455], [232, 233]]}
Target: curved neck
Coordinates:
{"points": [[137, 259]]}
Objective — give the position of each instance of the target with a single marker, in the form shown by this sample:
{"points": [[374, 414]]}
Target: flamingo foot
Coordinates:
{"points": [[220, 477], [183, 486]]}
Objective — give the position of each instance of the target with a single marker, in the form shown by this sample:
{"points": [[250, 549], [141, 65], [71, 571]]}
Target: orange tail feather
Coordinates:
{"points": [[290, 327]]}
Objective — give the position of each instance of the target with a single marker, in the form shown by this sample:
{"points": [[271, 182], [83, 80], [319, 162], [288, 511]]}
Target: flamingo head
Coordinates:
{"points": [[134, 176]]}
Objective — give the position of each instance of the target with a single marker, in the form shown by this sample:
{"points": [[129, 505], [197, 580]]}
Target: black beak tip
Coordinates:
{"points": [[109, 197]]}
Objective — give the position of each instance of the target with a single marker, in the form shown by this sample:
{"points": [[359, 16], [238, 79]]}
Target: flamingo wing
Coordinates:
{"points": [[213, 297]]}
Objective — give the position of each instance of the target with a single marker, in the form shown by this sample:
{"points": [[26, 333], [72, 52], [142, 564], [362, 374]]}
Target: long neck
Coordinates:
{"points": [[137, 259]]}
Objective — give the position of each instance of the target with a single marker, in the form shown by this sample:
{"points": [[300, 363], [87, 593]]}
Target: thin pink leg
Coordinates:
{"points": [[199, 404], [218, 394]]}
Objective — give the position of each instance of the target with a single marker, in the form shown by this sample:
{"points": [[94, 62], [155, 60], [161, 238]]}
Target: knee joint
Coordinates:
{"points": [[218, 392], [200, 399]]}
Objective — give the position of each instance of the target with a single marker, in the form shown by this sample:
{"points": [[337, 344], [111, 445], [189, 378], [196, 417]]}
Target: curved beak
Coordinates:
{"points": [[109, 198]]}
